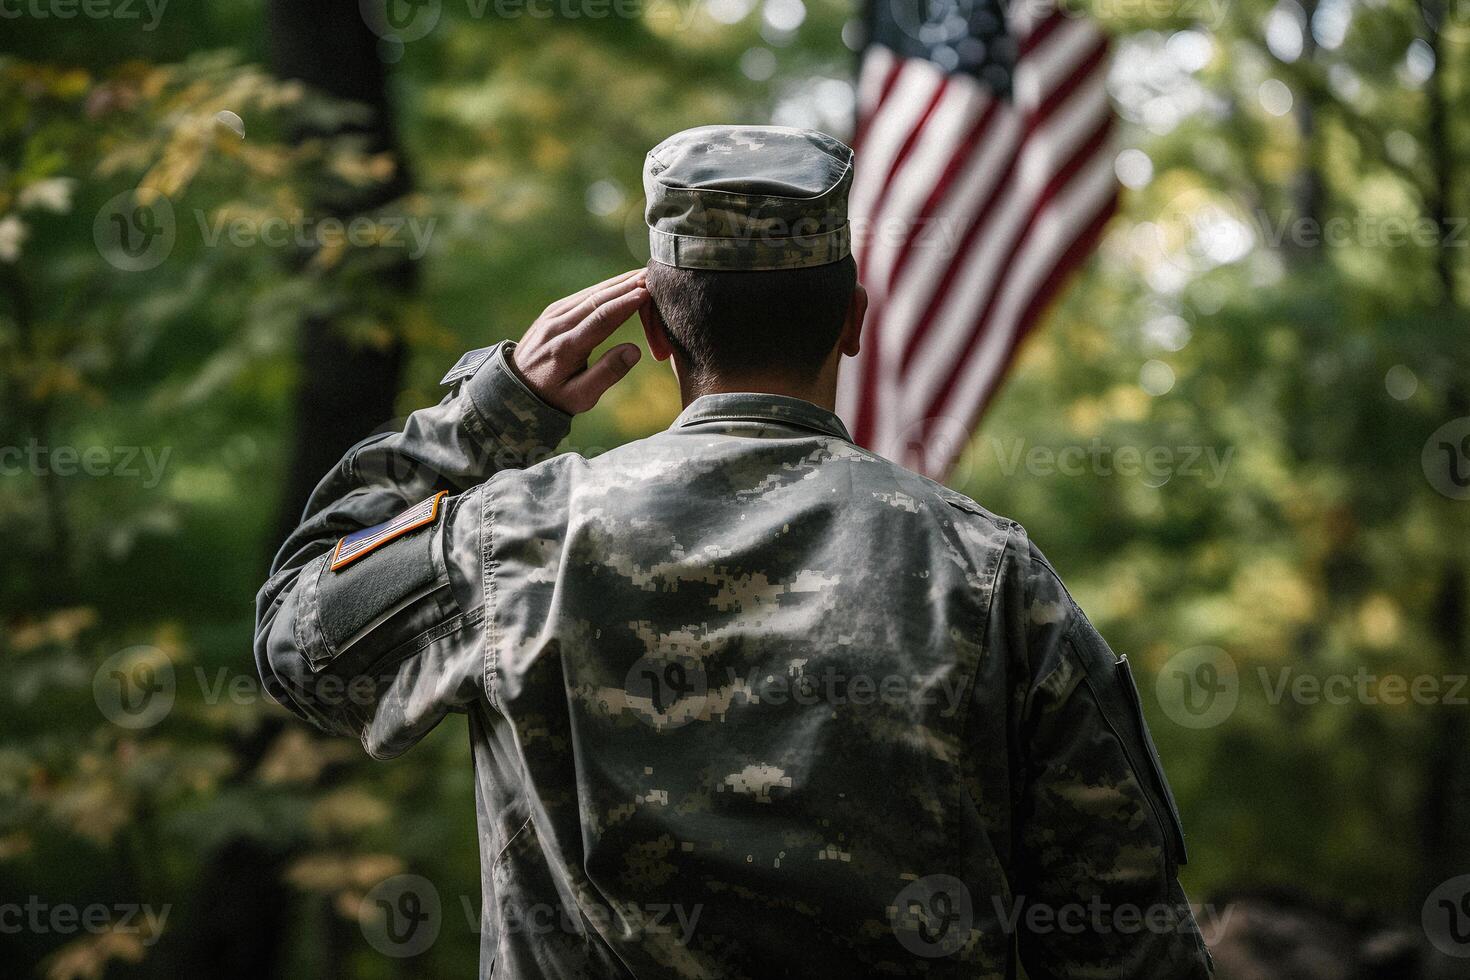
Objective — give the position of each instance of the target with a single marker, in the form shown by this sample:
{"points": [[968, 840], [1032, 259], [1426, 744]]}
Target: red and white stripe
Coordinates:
{"points": [[969, 213]]}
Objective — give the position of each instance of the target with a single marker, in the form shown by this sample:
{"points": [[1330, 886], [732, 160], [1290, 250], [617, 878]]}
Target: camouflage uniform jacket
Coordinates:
{"points": [[745, 699]]}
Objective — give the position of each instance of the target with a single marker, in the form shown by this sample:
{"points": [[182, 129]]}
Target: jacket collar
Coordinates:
{"points": [[742, 406]]}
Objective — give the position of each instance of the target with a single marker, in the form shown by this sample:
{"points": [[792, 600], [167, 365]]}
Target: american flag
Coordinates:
{"points": [[983, 179]]}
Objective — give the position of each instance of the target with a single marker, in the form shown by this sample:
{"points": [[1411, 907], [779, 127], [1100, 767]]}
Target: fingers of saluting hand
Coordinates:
{"points": [[583, 390], [567, 302], [593, 319], [552, 356]]}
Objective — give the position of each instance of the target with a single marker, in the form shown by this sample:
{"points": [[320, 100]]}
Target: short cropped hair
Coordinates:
{"points": [[779, 322]]}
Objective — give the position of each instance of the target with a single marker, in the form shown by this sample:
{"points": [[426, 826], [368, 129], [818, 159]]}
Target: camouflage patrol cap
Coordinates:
{"points": [[747, 198]]}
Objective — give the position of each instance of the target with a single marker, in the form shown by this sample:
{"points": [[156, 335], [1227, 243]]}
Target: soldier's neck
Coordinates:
{"points": [[822, 392]]}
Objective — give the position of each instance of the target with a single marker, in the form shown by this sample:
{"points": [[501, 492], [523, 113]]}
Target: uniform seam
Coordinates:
{"points": [[309, 624], [475, 421], [984, 626], [767, 420], [488, 568], [484, 427], [511, 840], [1074, 612], [408, 648], [750, 199], [501, 937], [949, 496], [681, 237]]}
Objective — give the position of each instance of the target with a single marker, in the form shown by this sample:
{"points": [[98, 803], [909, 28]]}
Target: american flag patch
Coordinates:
{"points": [[359, 543], [467, 365]]}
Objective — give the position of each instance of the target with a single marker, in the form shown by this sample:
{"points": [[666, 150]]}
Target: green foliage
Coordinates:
{"points": [[1307, 367]]}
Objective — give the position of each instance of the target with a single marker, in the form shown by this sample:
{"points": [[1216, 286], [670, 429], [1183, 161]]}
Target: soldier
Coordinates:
{"points": [[745, 699]]}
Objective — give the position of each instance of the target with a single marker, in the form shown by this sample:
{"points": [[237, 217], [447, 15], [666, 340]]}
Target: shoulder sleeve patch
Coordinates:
{"points": [[363, 542]]}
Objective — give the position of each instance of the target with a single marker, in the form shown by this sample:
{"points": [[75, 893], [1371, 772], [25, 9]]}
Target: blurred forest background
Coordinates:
{"points": [[188, 340]]}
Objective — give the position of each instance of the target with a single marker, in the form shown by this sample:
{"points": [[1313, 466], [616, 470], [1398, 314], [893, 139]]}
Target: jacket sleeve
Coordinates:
{"points": [[1099, 840], [370, 622]]}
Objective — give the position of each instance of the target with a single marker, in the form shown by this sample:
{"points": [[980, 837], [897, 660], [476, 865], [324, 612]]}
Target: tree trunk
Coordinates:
{"points": [[345, 389], [1447, 785], [241, 923], [1307, 189]]}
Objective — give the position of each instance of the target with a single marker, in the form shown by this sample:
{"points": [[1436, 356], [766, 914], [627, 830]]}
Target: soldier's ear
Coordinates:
{"points": [[653, 330], [852, 327]]}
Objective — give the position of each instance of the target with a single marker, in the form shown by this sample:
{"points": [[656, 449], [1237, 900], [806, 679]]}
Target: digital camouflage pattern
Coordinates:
{"points": [[745, 700], [744, 198]]}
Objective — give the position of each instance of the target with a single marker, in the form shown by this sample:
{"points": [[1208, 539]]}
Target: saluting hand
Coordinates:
{"points": [[552, 356]]}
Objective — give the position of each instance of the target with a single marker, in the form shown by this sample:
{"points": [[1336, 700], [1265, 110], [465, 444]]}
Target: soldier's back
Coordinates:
{"points": [[738, 660]]}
